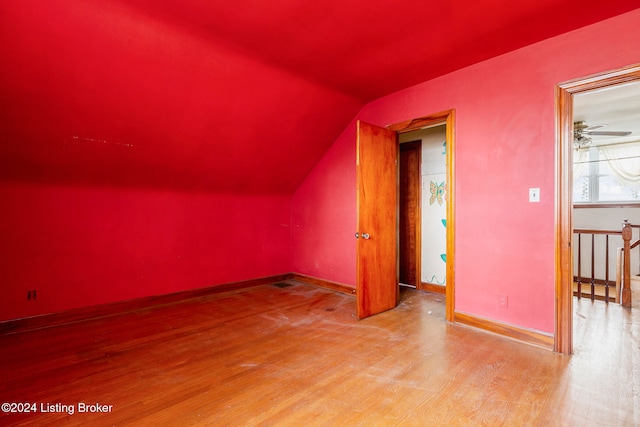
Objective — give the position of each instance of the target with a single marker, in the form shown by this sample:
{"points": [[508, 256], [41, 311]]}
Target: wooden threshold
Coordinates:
{"points": [[528, 336]]}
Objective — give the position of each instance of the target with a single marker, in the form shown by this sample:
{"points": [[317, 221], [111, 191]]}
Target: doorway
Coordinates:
{"points": [[374, 293], [564, 200], [606, 186], [423, 215]]}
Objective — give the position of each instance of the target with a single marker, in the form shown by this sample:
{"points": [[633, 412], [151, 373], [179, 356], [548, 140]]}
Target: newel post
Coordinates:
{"points": [[626, 283]]}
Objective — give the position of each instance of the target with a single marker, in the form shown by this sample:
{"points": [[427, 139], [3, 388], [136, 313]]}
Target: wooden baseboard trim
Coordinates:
{"points": [[528, 336], [430, 287], [121, 307], [334, 286]]}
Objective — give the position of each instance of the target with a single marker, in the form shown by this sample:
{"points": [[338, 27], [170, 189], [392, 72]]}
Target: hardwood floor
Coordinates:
{"points": [[296, 355]]}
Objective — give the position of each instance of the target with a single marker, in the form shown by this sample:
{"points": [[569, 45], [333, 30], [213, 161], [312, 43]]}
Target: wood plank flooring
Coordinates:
{"points": [[296, 355]]}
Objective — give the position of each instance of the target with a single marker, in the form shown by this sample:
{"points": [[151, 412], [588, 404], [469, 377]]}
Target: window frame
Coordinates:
{"points": [[594, 186]]}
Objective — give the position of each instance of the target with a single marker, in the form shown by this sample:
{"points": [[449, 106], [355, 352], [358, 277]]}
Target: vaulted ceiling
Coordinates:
{"points": [[240, 96]]}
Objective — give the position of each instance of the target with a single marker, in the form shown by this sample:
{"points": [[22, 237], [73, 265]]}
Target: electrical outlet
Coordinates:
{"points": [[31, 295], [503, 301]]}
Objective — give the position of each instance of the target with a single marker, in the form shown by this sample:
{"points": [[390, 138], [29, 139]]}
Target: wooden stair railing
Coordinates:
{"points": [[626, 285], [623, 273], [591, 279]]}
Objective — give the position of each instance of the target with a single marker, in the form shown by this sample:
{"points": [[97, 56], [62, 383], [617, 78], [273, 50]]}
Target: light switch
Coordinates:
{"points": [[534, 195]]}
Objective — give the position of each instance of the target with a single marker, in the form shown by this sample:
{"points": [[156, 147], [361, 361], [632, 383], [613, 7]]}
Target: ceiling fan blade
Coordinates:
{"points": [[608, 133]]}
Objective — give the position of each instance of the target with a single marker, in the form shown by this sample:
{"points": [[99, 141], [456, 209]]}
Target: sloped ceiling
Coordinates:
{"points": [[240, 96]]}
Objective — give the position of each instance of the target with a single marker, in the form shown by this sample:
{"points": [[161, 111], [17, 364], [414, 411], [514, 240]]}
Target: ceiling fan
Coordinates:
{"points": [[582, 132]]}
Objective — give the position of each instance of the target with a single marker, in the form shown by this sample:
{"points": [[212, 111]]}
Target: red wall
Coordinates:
{"points": [[324, 216], [80, 246], [505, 144], [83, 245]]}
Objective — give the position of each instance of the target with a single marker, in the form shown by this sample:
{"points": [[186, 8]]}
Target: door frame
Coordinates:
{"points": [[442, 118], [563, 342]]}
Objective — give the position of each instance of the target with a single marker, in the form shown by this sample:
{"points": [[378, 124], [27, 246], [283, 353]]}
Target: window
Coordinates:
{"points": [[607, 174]]}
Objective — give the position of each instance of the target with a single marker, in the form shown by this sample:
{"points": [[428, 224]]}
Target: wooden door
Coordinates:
{"points": [[376, 199], [409, 221]]}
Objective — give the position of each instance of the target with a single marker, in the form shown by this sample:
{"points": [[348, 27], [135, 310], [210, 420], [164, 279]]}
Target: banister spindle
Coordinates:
{"points": [[579, 265], [593, 263], [626, 283], [606, 267]]}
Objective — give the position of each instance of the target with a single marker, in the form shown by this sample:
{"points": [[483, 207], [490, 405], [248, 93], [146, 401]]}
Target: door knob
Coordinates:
{"points": [[357, 235], [365, 236]]}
